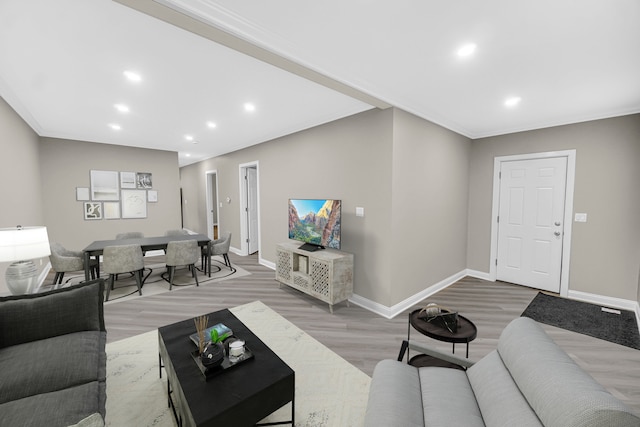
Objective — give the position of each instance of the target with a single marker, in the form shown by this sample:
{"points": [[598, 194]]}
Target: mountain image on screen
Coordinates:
{"points": [[315, 221]]}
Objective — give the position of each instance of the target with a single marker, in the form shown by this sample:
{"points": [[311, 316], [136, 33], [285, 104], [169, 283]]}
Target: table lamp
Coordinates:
{"points": [[20, 246]]}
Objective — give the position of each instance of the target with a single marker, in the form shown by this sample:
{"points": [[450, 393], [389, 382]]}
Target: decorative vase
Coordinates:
{"points": [[212, 355]]}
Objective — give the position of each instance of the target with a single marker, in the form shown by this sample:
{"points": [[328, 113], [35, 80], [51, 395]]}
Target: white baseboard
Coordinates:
{"points": [[479, 275], [402, 306], [268, 264]]}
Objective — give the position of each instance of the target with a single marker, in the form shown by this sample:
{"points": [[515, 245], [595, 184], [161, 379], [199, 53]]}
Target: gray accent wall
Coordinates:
{"points": [[605, 251], [409, 175], [20, 181], [66, 164]]}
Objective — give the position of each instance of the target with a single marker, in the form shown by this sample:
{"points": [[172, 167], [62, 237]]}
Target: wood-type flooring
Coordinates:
{"points": [[364, 338]]}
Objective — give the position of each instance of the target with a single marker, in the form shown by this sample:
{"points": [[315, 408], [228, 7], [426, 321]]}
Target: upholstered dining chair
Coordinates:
{"points": [[218, 247], [130, 235], [64, 261], [122, 259], [179, 232], [182, 252]]}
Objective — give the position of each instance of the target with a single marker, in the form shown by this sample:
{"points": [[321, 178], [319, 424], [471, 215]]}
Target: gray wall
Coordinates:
{"points": [[20, 176], [409, 175], [430, 186], [67, 164], [605, 251], [348, 159]]}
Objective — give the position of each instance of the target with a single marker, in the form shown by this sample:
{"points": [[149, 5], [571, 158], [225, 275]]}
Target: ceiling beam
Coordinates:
{"points": [[217, 35]]}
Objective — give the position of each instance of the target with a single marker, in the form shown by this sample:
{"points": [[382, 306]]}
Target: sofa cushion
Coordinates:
{"points": [[498, 396], [447, 398], [52, 364], [394, 397], [558, 390], [74, 309], [93, 420], [56, 409]]}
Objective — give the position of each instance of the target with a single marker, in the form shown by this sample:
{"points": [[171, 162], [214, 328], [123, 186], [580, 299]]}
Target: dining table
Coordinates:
{"points": [[96, 248]]}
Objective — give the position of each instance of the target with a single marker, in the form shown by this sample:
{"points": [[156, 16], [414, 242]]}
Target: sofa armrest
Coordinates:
{"points": [[425, 349], [32, 317]]}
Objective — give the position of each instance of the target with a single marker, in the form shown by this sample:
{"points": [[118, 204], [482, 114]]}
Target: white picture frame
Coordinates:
{"points": [[127, 180], [92, 210], [152, 196], [82, 194], [111, 210], [134, 204], [104, 185]]}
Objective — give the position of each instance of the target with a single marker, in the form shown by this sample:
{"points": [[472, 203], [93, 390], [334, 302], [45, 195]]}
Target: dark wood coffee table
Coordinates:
{"points": [[466, 333], [242, 395]]}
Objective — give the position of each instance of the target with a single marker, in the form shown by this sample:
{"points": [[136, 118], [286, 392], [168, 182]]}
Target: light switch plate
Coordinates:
{"points": [[581, 217], [359, 211]]}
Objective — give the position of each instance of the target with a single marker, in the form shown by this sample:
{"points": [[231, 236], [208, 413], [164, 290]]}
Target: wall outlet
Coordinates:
{"points": [[581, 217]]}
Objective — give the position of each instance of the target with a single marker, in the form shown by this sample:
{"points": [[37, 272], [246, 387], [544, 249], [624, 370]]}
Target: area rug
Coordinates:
{"points": [[329, 390], [156, 280], [585, 318]]}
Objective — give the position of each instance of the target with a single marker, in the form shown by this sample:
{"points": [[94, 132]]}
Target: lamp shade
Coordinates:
{"points": [[23, 243]]}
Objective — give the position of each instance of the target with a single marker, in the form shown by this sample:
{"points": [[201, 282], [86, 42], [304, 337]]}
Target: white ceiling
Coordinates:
{"points": [[61, 65]]}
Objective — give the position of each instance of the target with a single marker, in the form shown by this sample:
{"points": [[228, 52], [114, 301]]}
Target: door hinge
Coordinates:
{"points": [[498, 219], [499, 175], [496, 262], [247, 240]]}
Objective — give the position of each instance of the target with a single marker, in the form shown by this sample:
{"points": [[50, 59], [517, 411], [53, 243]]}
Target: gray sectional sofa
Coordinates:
{"points": [[52, 357], [527, 381]]}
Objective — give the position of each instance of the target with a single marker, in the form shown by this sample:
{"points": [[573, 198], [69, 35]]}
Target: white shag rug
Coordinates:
{"points": [[329, 390]]}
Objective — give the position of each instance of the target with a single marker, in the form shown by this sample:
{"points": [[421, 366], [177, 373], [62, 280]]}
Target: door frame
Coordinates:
{"points": [[244, 247], [210, 202], [568, 211]]}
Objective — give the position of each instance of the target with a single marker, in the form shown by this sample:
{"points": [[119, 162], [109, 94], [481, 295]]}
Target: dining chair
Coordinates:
{"points": [[123, 259], [64, 261], [178, 232], [182, 252], [130, 235], [218, 247]]}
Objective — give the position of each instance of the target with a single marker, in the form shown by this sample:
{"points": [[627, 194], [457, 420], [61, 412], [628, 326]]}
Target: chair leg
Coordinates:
{"points": [[57, 277], [193, 272], [109, 286], [227, 262], [172, 271], [138, 275]]}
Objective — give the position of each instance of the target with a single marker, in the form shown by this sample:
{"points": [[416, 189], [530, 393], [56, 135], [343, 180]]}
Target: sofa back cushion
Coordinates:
{"points": [[26, 318], [558, 390]]}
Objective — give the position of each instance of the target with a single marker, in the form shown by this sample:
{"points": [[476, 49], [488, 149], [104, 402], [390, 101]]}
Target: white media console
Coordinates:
{"points": [[326, 274]]}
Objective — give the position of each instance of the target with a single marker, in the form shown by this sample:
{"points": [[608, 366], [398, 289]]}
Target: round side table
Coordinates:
{"points": [[466, 332]]}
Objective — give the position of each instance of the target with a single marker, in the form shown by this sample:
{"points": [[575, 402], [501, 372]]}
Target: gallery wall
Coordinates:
{"points": [[67, 164], [605, 251]]}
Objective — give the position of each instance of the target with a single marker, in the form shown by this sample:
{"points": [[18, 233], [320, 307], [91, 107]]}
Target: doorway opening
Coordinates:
{"points": [[213, 205], [249, 208], [509, 248]]}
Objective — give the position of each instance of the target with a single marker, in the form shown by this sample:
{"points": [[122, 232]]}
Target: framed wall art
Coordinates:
{"points": [[144, 180], [111, 210], [152, 196], [127, 180], [92, 210], [104, 185], [82, 193], [134, 204]]}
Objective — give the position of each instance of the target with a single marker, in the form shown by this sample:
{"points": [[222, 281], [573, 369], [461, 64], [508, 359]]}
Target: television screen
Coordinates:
{"points": [[315, 222]]}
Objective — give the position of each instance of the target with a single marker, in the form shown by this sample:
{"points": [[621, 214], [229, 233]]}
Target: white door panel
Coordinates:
{"points": [[531, 212]]}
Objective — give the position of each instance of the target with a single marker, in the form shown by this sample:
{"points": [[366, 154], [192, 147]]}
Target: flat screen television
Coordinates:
{"points": [[315, 222]]}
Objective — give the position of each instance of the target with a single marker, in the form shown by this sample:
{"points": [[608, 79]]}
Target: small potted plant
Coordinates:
{"points": [[213, 353]]}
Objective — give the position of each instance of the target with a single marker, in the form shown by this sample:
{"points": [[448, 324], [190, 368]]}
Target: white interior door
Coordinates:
{"points": [[252, 209], [530, 222]]}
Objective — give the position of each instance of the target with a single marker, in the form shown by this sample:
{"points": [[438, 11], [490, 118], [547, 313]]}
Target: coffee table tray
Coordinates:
{"points": [[224, 366]]}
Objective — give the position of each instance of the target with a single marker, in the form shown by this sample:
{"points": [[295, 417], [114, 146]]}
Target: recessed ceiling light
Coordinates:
{"points": [[122, 108], [115, 126], [249, 107], [211, 125], [466, 50], [187, 155], [512, 101], [132, 76], [188, 137]]}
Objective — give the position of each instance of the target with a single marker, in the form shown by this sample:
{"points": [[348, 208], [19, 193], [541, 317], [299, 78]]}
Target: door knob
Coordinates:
{"points": [[557, 224], [557, 234]]}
